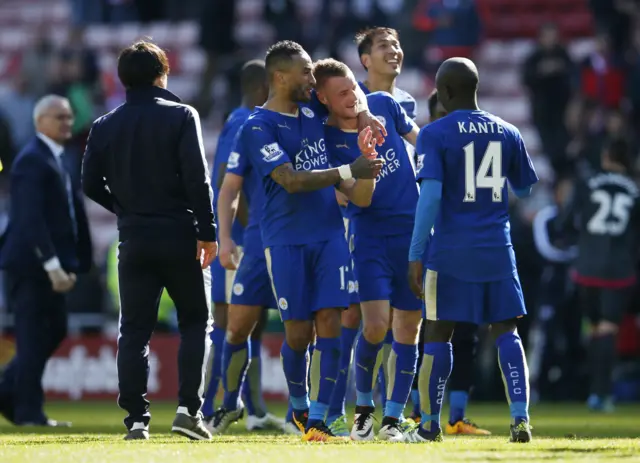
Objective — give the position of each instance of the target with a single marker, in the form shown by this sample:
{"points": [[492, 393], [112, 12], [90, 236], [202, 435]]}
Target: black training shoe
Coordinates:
{"points": [[138, 432], [521, 432], [423, 435], [223, 418]]}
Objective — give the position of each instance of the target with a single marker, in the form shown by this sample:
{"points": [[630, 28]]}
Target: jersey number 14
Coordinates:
{"points": [[473, 180]]}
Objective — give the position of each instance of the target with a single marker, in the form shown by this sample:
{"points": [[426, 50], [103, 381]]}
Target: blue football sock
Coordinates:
{"points": [[383, 372], [295, 365], [515, 375], [252, 386], [337, 404], [235, 361], [402, 369], [215, 370], [457, 405], [312, 348], [368, 359], [415, 400], [324, 374], [437, 362]]}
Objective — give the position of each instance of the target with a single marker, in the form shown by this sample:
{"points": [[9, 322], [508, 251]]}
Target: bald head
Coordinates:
{"points": [[53, 117], [457, 83]]}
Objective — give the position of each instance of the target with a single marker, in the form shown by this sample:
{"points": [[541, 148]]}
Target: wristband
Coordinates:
{"points": [[345, 172]]}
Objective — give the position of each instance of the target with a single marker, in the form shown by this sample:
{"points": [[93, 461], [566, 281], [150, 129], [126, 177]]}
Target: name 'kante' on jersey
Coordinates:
{"points": [[472, 153]]}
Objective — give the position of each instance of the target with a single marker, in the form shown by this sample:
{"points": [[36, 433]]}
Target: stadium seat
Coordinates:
{"points": [[521, 49], [531, 138], [579, 49], [14, 38], [514, 110], [186, 34], [192, 61], [128, 32], [160, 32], [500, 80], [490, 52], [100, 37]]}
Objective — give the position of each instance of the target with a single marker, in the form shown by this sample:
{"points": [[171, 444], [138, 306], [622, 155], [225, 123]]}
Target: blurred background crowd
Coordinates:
{"points": [[566, 72]]}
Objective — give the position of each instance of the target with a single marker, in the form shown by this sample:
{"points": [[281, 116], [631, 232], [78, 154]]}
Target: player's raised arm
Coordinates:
{"points": [[366, 119], [296, 181], [412, 137], [403, 123], [272, 160]]}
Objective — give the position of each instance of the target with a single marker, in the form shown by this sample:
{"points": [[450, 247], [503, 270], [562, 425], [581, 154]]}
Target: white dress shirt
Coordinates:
{"points": [[57, 150]]}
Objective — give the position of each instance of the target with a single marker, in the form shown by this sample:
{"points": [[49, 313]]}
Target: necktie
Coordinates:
{"points": [[66, 178]]}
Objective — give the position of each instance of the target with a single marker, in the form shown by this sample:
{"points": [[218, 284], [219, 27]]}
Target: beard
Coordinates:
{"points": [[299, 95]]}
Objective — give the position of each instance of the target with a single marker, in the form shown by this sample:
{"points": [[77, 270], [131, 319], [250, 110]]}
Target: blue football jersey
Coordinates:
{"points": [[225, 144], [394, 199], [472, 153], [405, 100], [272, 139], [239, 164]]}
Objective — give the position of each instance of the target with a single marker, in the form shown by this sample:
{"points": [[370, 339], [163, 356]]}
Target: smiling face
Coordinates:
{"points": [[386, 55], [339, 95], [299, 78]]}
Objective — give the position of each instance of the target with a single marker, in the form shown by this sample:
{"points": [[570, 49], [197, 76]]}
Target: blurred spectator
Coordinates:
{"points": [[633, 78], [217, 26], [7, 151], [70, 83], [37, 62], [147, 10], [614, 18], [584, 123], [453, 25], [16, 107], [282, 16], [121, 11], [86, 11], [76, 47], [602, 75], [555, 341], [351, 16], [547, 76]]}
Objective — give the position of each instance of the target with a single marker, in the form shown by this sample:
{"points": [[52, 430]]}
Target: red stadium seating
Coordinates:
{"points": [[522, 18]]}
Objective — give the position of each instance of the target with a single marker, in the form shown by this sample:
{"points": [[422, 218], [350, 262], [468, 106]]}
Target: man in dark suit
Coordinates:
{"points": [[145, 162], [46, 242]]}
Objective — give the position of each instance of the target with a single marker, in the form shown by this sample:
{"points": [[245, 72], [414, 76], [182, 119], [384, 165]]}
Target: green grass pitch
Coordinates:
{"points": [[561, 433]]}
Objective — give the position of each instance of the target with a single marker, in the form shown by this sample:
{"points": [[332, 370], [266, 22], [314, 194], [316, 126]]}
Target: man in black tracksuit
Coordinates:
{"points": [[605, 211], [145, 162]]}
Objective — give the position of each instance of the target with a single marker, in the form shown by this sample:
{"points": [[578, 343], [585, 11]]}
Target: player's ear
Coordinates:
{"points": [[321, 96], [365, 60], [279, 78]]}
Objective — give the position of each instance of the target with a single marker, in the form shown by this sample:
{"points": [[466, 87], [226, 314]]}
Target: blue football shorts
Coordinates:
{"points": [[251, 285], [309, 277], [448, 298], [382, 270]]}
